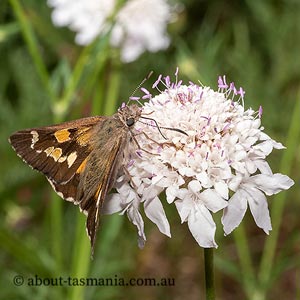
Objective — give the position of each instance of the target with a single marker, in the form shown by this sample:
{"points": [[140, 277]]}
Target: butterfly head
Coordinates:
{"points": [[129, 114]]}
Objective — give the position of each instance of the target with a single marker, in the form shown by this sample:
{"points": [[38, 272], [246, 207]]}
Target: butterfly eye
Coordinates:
{"points": [[130, 122]]}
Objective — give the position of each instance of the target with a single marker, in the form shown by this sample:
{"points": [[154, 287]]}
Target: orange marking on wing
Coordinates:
{"points": [[56, 154], [49, 150], [81, 167], [62, 135], [83, 136]]}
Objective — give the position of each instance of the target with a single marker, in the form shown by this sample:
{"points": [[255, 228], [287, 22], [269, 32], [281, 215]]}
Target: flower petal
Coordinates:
{"points": [[194, 186], [263, 167], [135, 217], [184, 208], [271, 184], [155, 212], [222, 188], [112, 205], [202, 227], [171, 193], [235, 211], [259, 208], [212, 200], [267, 146]]}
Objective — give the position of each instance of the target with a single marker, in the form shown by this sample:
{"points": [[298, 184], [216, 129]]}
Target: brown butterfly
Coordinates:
{"points": [[80, 158]]}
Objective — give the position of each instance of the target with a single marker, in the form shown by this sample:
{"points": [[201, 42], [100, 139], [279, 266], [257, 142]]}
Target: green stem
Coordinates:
{"points": [[245, 259], [77, 73], [279, 200], [113, 89], [56, 231], [32, 45], [209, 273], [81, 257]]}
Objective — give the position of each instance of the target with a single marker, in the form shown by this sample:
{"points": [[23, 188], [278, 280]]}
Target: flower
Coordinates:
{"points": [[206, 152], [140, 25]]}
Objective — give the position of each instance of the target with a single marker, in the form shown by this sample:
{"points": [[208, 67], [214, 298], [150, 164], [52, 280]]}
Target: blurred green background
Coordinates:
{"points": [[46, 78]]}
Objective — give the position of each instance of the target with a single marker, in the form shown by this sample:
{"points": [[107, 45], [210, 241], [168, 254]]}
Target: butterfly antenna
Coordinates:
{"points": [[138, 87]]}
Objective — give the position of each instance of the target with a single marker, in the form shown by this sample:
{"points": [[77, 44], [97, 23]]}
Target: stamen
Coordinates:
{"points": [[260, 111], [134, 98], [130, 163], [222, 82], [155, 84], [168, 81], [139, 153], [145, 91]]}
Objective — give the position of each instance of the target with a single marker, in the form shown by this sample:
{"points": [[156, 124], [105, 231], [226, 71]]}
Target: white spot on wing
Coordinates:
{"points": [[35, 138], [71, 159], [62, 159]]}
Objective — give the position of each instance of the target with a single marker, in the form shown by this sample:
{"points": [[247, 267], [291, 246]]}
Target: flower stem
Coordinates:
{"points": [[81, 258], [246, 263], [279, 201], [209, 273], [32, 45]]}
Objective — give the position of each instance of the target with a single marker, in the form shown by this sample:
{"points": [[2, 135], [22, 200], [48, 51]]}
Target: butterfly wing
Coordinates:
{"points": [[57, 151], [80, 160], [97, 180], [97, 173]]}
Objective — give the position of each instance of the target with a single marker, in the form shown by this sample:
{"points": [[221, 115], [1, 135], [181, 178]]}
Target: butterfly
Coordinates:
{"points": [[80, 158]]}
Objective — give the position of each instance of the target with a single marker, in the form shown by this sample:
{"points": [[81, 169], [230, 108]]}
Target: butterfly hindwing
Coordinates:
{"points": [[102, 165]]}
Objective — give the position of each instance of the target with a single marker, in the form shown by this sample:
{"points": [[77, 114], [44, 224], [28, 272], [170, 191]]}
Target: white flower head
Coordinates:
{"points": [[139, 25], [206, 152]]}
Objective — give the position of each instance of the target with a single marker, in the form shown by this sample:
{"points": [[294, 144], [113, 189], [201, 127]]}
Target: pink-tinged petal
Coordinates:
{"points": [[278, 145], [112, 205], [263, 167], [259, 208], [235, 182], [155, 212], [222, 188], [171, 193], [135, 217], [234, 213], [194, 186], [264, 137], [271, 184], [250, 166], [202, 227], [184, 208], [267, 146], [212, 200], [141, 241]]}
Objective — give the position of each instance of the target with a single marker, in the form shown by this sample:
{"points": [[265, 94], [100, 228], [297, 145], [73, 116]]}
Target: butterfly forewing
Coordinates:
{"points": [[57, 151]]}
